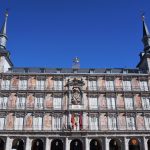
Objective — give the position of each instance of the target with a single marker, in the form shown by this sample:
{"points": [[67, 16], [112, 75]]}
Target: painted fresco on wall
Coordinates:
{"points": [[30, 101], [118, 84], [140, 122], [137, 101], [135, 84], [32, 83], [103, 122], [120, 102], [121, 121], [10, 121], [28, 121], [49, 83], [14, 83], [101, 83], [102, 102], [48, 101], [12, 100], [47, 122]]}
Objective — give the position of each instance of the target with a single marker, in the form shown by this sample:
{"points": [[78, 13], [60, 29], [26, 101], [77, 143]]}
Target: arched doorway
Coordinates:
{"points": [[37, 144], [114, 145], [95, 145], [76, 145], [2, 145], [18, 144], [134, 144], [148, 144], [57, 144]]}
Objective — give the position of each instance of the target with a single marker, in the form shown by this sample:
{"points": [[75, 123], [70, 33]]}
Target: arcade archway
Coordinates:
{"points": [[134, 144], [2, 144], [37, 144], [76, 144], [57, 144], [18, 144], [114, 145], [95, 145]]}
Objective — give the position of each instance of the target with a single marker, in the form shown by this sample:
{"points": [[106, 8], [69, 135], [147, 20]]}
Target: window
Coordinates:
{"points": [[111, 103], [37, 123], [92, 85], [38, 102], [20, 103], [93, 123], [57, 85], [18, 123], [129, 103], [57, 102], [112, 124], [143, 86], [56, 123], [146, 103], [110, 85], [93, 103], [3, 102], [2, 120], [147, 122], [5, 84], [40, 85], [130, 123], [127, 85], [23, 84]]}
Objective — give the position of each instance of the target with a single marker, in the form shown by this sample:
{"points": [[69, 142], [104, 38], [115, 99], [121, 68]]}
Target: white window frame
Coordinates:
{"points": [[93, 102], [18, 123], [57, 122], [130, 123], [37, 123], [3, 102], [144, 85], [128, 103], [146, 103], [126, 85], [5, 84], [38, 102], [93, 122], [147, 122], [2, 123], [23, 84], [112, 123], [111, 103], [58, 84], [20, 102], [57, 103], [92, 85], [40, 84], [110, 85]]}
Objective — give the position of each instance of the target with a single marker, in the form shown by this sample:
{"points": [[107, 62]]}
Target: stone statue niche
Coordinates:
{"points": [[76, 94]]}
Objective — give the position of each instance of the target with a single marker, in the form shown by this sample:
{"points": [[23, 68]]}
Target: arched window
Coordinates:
{"points": [[134, 144], [114, 145], [2, 144], [95, 145], [57, 145], [37, 144], [18, 144], [76, 145]]}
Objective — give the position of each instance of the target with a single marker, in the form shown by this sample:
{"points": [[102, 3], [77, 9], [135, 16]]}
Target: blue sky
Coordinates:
{"points": [[50, 33]]}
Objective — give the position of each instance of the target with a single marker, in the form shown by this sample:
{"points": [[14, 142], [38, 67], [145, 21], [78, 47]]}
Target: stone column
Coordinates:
{"points": [[107, 143], [87, 144], [145, 146], [8, 143], [28, 143], [126, 143], [48, 144], [67, 144]]}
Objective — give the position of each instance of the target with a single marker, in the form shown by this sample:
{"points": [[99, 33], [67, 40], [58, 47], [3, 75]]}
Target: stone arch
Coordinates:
{"points": [[114, 144], [2, 144], [18, 144], [134, 144], [57, 144], [37, 144], [95, 145], [76, 144]]}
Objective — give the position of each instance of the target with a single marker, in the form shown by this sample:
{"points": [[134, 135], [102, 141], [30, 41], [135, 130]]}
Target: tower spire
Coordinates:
{"points": [[146, 36], [3, 32]]}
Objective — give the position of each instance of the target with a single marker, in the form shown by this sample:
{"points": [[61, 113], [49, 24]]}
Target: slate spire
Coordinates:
{"points": [[146, 36], [3, 33]]}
